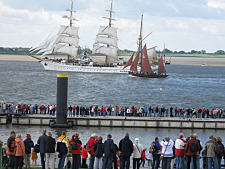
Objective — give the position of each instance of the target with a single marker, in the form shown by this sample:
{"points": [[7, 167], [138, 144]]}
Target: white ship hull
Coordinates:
{"points": [[63, 67]]}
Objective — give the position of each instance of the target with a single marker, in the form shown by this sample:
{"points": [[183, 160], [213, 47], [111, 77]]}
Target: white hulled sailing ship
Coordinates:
{"points": [[66, 41]]}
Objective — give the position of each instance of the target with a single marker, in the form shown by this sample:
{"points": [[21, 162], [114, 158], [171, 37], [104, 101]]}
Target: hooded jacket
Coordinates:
{"points": [[98, 149], [11, 146], [179, 147], [167, 148], [188, 146], [92, 143], [20, 148], [138, 148], [211, 148], [78, 142], [126, 147], [62, 144], [109, 148], [28, 145]]}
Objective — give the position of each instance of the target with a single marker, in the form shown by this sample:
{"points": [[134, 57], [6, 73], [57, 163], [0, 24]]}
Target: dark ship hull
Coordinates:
{"points": [[148, 75]]}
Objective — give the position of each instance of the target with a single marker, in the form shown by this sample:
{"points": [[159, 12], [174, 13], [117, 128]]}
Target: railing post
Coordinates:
{"points": [[1, 155]]}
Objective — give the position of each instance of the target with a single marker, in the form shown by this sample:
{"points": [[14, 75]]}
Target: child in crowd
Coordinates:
{"points": [[34, 158], [149, 158], [84, 155], [143, 158]]}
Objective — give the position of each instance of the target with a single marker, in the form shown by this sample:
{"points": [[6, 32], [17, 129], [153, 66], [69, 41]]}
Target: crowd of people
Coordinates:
{"points": [[70, 152], [96, 110]]}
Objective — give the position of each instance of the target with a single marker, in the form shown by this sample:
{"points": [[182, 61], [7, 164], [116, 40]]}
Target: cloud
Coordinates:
{"points": [[216, 4], [173, 6]]}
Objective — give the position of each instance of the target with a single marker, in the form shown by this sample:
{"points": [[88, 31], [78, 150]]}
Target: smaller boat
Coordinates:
{"points": [[146, 68]]}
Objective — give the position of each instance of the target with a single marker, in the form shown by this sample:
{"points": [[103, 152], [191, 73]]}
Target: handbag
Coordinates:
{"points": [[162, 156]]}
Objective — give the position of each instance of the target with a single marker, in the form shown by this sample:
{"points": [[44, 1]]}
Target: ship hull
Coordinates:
{"points": [[62, 67], [147, 76]]}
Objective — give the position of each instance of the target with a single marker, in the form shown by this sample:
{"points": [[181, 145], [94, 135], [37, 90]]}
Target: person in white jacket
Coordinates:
{"points": [[137, 154], [167, 152]]}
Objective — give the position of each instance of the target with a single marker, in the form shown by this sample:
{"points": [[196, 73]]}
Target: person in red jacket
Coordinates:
{"points": [[75, 150], [192, 147], [90, 148], [180, 151], [143, 158], [84, 155]]}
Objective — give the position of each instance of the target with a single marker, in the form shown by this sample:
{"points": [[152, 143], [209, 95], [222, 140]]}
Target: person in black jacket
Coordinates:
{"points": [[108, 148], [50, 151], [126, 149], [98, 149], [115, 157], [28, 145], [42, 142]]}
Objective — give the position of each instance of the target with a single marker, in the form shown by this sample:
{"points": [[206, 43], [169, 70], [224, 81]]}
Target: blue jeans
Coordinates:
{"points": [[42, 160], [91, 162], [155, 163], [215, 162], [179, 162], [107, 163], [125, 162], [61, 161]]}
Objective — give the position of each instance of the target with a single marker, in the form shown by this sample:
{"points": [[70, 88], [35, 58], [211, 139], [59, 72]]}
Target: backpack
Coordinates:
{"points": [[37, 148], [193, 147], [220, 149], [153, 147], [74, 146]]}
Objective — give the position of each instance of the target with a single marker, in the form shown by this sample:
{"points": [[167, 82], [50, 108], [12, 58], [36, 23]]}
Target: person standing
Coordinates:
{"points": [[143, 158], [11, 150], [20, 151], [192, 148], [90, 147], [211, 150], [167, 152], [50, 151], [98, 149], [180, 151], [155, 149], [149, 158], [126, 148], [42, 142], [62, 147], [138, 148], [84, 155], [28, 145], [75, 150], [108, 149], [220, 152]]}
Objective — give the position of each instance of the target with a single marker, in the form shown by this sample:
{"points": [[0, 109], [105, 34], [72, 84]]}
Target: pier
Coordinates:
{"points": [[118, 121]]}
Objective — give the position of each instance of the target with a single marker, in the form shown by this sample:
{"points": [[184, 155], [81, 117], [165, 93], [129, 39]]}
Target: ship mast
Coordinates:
{"points": [[164, 54], [140, 41], [110, 24]]}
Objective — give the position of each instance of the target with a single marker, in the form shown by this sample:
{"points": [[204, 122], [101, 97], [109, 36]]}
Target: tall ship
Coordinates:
{"points": [[142, 59], [66, 42]]}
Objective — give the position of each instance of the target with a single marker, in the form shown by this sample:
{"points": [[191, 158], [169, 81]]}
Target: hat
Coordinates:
{"points": [[93, 135], [136, 139], [109, 135]]}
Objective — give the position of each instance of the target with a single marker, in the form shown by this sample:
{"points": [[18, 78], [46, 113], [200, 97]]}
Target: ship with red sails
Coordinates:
{"points": [[142, 60]]}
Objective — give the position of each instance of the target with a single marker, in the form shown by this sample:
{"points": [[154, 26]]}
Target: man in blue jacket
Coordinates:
{"points": [[109, 149], [155, 148]]}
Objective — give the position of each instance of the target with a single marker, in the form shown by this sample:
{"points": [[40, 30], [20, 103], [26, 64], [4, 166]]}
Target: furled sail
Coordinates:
{"points": [[161, 68], [129, 61], [133, 67], [145, 65]]}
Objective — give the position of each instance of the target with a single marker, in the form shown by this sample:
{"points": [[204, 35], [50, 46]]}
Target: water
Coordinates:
{"points": [[186, 86]]}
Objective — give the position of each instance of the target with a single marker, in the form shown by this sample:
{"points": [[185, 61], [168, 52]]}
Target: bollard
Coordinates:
{"points": [[62, 90], [1, 155]]}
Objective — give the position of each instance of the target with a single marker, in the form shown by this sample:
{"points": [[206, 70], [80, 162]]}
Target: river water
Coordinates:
{"points": [[186, 86]]}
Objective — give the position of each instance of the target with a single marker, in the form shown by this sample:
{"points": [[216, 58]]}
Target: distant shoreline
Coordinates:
{"points": [[183, 60]]}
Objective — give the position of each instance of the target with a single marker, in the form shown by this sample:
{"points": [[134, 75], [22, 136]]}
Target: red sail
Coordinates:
{"points": [[162, 68], [129, 61], [133, 67], [145, 65]]}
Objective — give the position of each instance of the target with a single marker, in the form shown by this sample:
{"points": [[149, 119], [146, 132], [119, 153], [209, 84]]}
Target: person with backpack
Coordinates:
{"points": [[211, 150], [42, 143], [28, 145], [90, 148], [180, 151], [109, 150], [50, 151], [138, 148], [11, 150], [155, 149], [167, 152], [63, 145], [75, 150], [192, 148], [126, 149], [220, 152], [98, 149]]}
